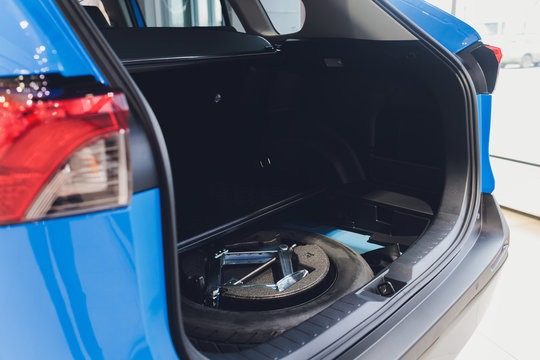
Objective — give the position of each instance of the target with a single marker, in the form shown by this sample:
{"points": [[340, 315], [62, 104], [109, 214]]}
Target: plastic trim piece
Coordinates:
{"points": [[194, 241], [482, 65], [149, 64]]}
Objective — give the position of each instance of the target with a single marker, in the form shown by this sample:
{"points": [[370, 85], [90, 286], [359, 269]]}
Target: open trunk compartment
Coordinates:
{"points": [[321, 142]]}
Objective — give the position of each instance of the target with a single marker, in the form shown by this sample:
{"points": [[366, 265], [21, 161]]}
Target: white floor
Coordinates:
{"points": [[510, 328]]}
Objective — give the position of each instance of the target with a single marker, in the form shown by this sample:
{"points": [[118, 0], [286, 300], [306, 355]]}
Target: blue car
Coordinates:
{"points": [[243, 179]]}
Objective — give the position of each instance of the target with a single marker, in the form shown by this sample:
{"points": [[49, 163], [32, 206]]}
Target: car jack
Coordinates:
{"points": [[266, 258]]}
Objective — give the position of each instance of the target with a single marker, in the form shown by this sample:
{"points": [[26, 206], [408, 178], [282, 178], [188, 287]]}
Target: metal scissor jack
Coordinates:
{"points": [[282, 254]]}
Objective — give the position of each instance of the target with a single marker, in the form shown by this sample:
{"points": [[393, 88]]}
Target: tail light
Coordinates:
{"points": [[63, 147], [496, 51]]}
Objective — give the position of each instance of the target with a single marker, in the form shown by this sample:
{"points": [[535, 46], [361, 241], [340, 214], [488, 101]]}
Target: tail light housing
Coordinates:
{"points": [[482, 62], [63, 147]]}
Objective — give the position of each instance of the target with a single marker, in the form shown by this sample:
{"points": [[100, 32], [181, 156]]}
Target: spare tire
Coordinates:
{"points": [[217, 330]]}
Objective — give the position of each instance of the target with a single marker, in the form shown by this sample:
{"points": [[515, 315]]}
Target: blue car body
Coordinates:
{"points": [[93, 285]]}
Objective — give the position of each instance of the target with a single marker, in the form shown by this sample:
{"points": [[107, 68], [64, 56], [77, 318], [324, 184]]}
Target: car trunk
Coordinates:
{"points": [[355, 141]]}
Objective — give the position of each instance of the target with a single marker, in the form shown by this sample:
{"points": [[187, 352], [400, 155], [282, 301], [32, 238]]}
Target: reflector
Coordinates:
{"points": [[497, 51]]}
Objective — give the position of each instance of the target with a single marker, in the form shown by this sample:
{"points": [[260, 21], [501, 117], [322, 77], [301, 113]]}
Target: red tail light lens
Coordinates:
{"points": [[497, 51], [62, 147]]}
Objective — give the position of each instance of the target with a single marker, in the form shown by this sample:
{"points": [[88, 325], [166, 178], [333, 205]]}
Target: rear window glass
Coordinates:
{"points": [[287, 16], [156, 13], [182, 13]]}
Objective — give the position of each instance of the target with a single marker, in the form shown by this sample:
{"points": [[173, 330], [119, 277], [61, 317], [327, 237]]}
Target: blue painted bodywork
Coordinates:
{"points": [[86, 287], [35, 38], [484, 127], [452, 33]]}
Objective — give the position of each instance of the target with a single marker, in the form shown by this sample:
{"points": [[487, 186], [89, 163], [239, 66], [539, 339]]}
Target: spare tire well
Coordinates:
{"points": [[208, 326]]}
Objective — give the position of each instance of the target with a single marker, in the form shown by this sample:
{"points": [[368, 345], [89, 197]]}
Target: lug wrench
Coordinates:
{"points": [[254, 272]]}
